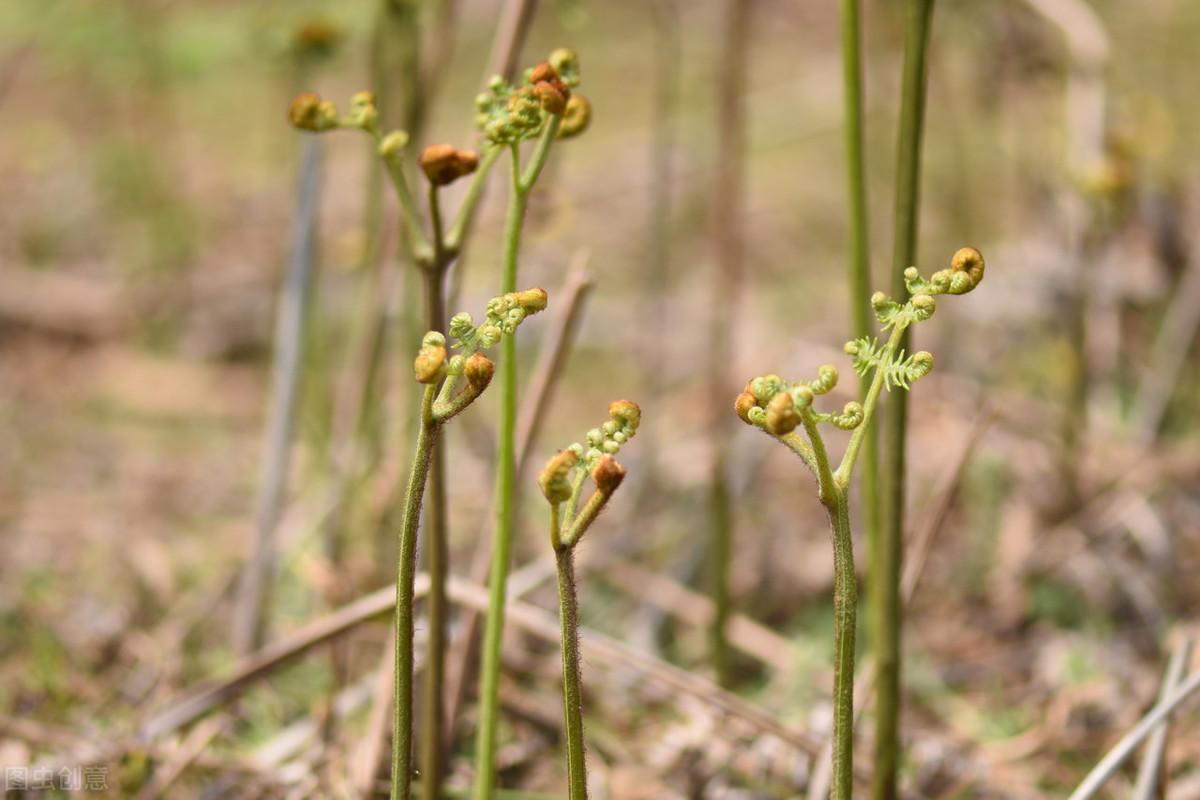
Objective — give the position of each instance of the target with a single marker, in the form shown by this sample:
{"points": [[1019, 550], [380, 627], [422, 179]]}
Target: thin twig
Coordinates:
{"points": [[194, 744], [1175, 336], [745, 634], [597, 647], [727, 226], [250, 610], [210, 694], [1152, 775], [1123, 749], [511, 32]]}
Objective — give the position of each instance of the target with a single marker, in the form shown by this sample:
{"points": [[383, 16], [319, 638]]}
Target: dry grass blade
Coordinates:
{"points": [[209, 695], [1123, 749], [596, 647], [1151, 779], [194, 744], [1171, 349], [745, 634], [250, 610]]}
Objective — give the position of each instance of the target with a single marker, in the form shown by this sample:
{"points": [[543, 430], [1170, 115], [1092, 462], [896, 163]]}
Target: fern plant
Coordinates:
{"points": [[562, 481], [780, 407], [442, 400], [542, 107]]}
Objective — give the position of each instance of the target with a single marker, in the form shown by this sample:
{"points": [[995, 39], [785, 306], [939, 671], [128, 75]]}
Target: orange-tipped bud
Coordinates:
{"points": [[970, 261], [543, 72], [430, 363], [444, 164], [782, 417], [532, 300], [626, 413], [308, 112], [742, 405], [479, 370], [552, 96], [608, 474], [553, 479], [576, 116]]}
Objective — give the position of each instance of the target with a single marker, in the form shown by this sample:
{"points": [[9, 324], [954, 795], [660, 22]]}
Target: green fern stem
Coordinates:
{"points": [[568, 611], [886, 595], [402, 748], [489, 679]]}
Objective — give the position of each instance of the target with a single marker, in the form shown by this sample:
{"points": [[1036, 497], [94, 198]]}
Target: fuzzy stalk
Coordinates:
{"points": [[437, 539], [406, 570], [834, 496], [568, 613], [845, 616], [886, 606], [489, 679]]}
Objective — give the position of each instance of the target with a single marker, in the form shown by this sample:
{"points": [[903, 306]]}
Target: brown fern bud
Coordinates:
{"points": [[553, 478], [532, 300], [543, 72], [627, 414], [552, 96], [576, 117], [308, 112], [742, 405], [430, 363], [782, 417], [968, 260], [608, 474], [479, 370], [444, 164]]}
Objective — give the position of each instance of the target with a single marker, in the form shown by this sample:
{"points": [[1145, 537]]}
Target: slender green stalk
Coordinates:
{"points": [[859, 279], [405, 576], [489, 682], [886, 594], [859, 263], [489, 678], [437, 547], [568, 613], [845, 614]]}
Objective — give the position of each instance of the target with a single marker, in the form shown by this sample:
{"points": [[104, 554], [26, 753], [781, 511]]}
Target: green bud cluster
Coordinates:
{"points": [[434, 365], [779, 407], [562, 479], [623, 419], [508, 113], [504, 314]]}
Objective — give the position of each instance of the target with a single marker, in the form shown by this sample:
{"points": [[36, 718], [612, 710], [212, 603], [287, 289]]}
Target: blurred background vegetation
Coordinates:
{"points": [[149, 185]]}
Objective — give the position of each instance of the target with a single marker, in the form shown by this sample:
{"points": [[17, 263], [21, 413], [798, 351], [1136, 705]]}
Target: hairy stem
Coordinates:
{"points": [[845, 611], [568, 613], [405, 575], [489, 679], [437, 539], [886, 595]]}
